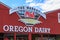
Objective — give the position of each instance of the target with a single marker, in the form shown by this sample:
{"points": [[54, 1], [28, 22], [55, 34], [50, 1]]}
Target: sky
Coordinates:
{"points": [[42, 5]]}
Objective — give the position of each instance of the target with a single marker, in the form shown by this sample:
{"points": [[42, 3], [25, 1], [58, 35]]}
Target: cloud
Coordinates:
{"points": [[48, 5], [32, 4], [35, 4], [27, 1], [51, 5]]}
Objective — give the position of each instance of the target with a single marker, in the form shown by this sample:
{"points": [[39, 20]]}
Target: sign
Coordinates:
{"points": [[28, 15], [11, 28], [58, 17]]}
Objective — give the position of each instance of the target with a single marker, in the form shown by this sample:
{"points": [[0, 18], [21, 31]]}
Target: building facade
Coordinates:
{"points": [[27, 23]]}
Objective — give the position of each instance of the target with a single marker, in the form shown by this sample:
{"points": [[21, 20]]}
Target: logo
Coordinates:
{"points": [[29, 15]]}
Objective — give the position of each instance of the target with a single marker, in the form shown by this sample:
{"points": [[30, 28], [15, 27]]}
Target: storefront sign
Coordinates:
{"points": [[28, 15], [10, 28]]}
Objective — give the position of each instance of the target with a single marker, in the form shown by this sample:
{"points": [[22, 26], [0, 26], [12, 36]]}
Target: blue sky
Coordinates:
{"points": [[42, 5]]}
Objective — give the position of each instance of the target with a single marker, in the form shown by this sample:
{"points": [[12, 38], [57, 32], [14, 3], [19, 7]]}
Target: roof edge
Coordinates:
{"points": [[5, 5], [51, 11]]}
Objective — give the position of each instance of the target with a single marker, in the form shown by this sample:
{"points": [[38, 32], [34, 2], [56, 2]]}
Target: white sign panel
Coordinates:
{"points": [[58, 17]]}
